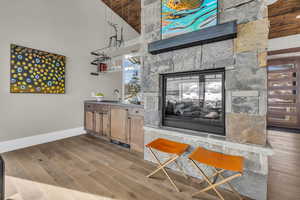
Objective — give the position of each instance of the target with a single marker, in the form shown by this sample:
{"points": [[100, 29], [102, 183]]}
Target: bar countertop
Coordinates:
{"points": [[113, 103]]}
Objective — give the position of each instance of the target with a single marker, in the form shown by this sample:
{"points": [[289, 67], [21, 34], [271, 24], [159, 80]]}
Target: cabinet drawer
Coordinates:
{"points": [[102, 108], [89, 107], [136, 111]]}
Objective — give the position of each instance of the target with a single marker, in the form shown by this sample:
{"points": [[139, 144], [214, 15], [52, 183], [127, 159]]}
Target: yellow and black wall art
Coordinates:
{"points": [[35, 71]]}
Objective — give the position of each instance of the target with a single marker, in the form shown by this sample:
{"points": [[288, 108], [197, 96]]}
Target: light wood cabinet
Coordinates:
{"points": [[97, 120], [113, 122], [89, 121], [99, 123], [136, 133], [119, 124], [106, 125]]}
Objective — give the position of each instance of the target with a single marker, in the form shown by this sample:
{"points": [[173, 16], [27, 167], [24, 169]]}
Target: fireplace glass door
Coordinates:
{"points": [[194, 101]]}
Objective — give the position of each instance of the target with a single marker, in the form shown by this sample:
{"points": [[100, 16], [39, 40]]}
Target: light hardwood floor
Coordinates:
{"points": [[82, 168], [284, 175]]}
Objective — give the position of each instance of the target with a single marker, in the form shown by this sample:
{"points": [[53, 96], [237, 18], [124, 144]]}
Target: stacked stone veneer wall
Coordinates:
{"points": [[244, 60]]}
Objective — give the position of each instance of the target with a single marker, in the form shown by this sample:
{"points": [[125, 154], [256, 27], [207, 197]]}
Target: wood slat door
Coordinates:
{"points": [[119, 124], [283, 93], [137, 133], [99, 123], [106, 125], [89, 121]]}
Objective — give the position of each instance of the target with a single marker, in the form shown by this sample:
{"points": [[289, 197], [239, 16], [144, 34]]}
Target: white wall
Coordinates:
{"points": [[68, 27], [292, 41]]}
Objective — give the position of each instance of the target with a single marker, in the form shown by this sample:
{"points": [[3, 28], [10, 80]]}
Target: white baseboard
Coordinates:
{"points": [[21, 143]]}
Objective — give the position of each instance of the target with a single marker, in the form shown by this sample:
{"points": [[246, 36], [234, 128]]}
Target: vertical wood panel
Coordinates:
{"points": [[99, 123], [89, 121], [119, 124], [137, 133], [106, 125]]}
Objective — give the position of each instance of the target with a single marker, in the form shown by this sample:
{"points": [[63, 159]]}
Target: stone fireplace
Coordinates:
{"points": [[194, 100], [243, 102]]}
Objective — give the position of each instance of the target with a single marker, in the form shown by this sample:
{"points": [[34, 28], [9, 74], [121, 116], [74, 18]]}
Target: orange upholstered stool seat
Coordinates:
{"points": [[219, 163], [218, 160], [168, 146], [176, 149]]}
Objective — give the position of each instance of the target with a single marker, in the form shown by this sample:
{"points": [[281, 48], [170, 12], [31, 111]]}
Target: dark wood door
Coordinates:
{"points": [[283, 93]]}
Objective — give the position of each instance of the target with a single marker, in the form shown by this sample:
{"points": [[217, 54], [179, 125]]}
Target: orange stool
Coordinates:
{"points": [[170, 147], [219, 163]]}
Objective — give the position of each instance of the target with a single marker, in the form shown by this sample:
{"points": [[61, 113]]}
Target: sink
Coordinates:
{"points": [[109, 101]]}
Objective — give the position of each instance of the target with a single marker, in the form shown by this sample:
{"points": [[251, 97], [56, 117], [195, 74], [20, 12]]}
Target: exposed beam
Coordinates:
{"points": [[284, 16], [129, 10]]}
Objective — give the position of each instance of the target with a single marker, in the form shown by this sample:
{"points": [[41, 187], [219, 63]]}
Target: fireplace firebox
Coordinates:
{"points": [[194, 101]]}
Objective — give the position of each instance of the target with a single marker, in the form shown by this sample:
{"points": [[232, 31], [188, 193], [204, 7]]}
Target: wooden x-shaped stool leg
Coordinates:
{"points": [[228, 183], [163, 165], [207, 179], [212, 186]]}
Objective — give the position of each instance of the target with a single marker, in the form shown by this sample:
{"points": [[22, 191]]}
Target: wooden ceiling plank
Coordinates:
{"points": [[129, 10], [284, 20], [282, 7]]}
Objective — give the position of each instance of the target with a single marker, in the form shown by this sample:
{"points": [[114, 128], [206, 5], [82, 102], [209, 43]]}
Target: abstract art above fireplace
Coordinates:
{"points": [[184, 16], [35, 71]]}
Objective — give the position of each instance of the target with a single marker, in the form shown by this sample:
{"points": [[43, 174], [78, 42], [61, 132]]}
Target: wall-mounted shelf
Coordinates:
{"points": [[110, 56], [208, 35], [131, 46]]}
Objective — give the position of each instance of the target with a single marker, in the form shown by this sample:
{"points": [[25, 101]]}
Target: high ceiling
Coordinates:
{"points": [[129, 10], [284, 18], [284, 15]]}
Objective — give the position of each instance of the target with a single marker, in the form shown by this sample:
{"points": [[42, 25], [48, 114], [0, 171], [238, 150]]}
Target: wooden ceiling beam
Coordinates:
{"points": [[129, 10], [284, 16], [282, 7]]}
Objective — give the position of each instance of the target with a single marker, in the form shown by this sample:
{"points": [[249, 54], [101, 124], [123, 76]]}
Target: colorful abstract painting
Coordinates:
{"points": [[35, 71], [184, 16]]}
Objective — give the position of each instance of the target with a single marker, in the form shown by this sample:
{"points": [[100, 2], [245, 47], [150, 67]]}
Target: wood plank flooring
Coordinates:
{"points": [[82, 168], [284, 175]]}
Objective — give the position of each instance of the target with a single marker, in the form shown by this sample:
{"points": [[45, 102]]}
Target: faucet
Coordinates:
{"points": [[117, 93]]}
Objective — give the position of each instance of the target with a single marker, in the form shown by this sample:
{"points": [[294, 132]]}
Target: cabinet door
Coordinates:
{"points": [[106, 125], [119, 124], [99, 123], [137, 133], [89, 121]]}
